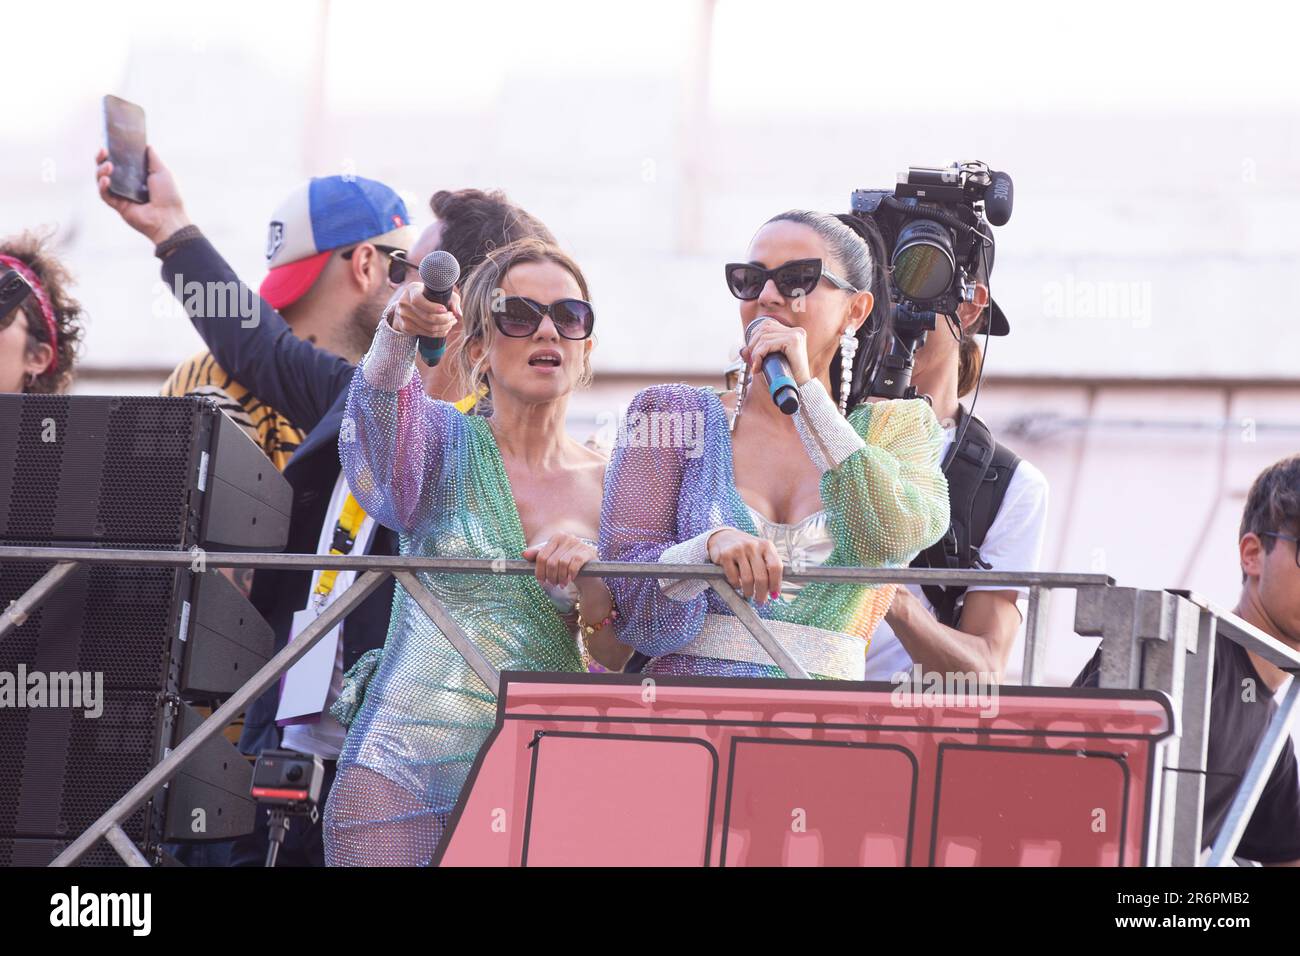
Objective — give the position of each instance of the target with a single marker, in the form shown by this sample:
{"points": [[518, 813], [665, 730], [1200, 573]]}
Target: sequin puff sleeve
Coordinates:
{"points": [[886, 497], [661, 503], [394, 439]]}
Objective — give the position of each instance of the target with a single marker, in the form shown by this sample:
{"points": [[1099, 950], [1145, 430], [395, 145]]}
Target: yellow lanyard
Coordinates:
{"points": [[345, 532], [470, 400], [345, 536]]}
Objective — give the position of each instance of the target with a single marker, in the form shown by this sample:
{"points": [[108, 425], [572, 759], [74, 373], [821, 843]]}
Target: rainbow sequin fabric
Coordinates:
{"points": [[436, 476], [885, 500]]}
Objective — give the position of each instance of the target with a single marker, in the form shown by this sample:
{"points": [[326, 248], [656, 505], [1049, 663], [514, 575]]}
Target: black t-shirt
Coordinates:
{"points": [[1241, 705]]}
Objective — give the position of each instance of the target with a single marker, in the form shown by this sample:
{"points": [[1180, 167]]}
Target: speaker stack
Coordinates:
{"points": [[165, 474]]}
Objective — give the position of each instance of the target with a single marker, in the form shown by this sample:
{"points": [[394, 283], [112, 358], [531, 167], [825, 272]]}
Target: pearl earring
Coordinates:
{"points": [[848, 350]]}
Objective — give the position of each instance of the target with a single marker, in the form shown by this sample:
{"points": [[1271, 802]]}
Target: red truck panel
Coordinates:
{"points": [[598, 770]]}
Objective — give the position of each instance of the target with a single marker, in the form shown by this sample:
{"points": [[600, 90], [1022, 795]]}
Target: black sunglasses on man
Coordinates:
{"points": [[398, 264]]}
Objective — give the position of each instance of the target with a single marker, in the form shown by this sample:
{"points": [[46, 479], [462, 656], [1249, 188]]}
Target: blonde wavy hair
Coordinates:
{"points": [[483, 290]]}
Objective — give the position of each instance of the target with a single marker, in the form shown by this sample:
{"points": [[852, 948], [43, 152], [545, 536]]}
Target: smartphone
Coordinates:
{"points": [[125, 141]]}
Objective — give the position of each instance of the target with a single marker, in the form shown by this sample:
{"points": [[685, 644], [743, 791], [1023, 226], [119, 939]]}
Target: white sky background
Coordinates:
{"points": [[769, 55], [1155, 148]]}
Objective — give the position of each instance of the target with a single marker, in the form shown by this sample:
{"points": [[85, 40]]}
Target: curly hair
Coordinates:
{"points": [[35, 250]]}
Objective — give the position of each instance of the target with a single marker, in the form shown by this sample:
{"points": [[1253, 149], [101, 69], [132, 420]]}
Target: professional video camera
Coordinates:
{"points": [[935, 224]]}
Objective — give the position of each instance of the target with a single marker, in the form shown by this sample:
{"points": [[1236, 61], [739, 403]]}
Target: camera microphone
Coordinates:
{"points": [[998, 197], [776, 370], [439, 271]]}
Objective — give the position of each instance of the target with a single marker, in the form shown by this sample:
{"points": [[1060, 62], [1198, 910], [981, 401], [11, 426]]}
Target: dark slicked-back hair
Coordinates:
{"points": [[859, 253], [474, 223], [1273, 504]]}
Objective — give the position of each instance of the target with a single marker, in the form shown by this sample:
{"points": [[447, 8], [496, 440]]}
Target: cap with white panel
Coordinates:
{"points": [[328, 213]]}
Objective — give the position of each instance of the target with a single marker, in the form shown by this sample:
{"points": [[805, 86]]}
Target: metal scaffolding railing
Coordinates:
{"points": [[1151, 640]]}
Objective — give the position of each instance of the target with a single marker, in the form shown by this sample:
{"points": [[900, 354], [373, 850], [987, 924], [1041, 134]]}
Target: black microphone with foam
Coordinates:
{"points": [[776, 370], [439, 271], [998, 197]]}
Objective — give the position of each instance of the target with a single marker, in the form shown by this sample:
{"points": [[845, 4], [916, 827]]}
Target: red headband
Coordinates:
{"points": [[47, 310]]}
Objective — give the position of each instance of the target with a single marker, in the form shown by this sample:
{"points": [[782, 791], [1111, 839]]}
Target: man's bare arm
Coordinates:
{"points": [[981, 643]]}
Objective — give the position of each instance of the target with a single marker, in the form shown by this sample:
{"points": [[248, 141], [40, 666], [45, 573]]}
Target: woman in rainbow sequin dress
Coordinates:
{"points": [[507, 484], [855, 485]]}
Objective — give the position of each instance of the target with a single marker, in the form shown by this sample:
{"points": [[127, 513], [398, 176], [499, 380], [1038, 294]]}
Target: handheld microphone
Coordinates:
{"points": [[998, 197], [439, 271], [776, 370]]}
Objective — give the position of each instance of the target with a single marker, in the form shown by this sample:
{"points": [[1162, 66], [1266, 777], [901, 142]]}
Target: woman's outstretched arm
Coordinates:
{"points": [[394, 439]]}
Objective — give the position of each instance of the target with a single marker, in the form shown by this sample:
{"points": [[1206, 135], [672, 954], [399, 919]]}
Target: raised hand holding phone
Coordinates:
{"points": [[156, 219]]}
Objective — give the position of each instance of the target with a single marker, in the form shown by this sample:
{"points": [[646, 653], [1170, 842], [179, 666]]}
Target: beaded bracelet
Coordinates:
{"points": [[590, 629], [587, 630]]}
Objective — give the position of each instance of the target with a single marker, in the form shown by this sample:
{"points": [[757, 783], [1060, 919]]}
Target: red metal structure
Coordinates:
{"points": [[621, 770], [627, 770]]}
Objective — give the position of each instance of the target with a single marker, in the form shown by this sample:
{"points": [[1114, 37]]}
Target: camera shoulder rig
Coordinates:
{"points": [[978, 471]]}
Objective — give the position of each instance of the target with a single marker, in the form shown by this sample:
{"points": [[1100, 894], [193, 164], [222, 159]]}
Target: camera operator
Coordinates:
{"points": [[998, 501]]}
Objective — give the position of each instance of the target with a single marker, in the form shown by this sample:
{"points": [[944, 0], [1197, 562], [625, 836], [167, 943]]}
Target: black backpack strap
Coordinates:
{"points": [[988, 500], [965, 466], [978, 473]]}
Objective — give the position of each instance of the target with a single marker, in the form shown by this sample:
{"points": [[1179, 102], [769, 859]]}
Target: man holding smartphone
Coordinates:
{"points": [[328, 294]]}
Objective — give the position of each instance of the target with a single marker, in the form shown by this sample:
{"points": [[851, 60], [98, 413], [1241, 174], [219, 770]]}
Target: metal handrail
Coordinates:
{"points": [[630, 569], [1133, 617], [1247, 634], [1274, 738]]}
